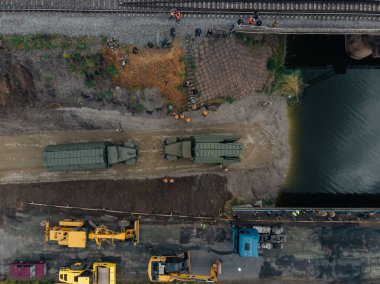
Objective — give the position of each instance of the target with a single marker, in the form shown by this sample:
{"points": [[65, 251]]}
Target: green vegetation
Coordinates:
{"points": [[271, 64], [48, 80], [104, 96], [140, 108], [228, 99], [193, 63], [45, 41], [181, 76], [287, 82], [247, 40], [236, 201]]}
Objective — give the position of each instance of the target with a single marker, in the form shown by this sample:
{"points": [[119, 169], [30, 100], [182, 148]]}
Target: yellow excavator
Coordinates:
{"points": [[99, 273], [74, 233], [178, 268]]}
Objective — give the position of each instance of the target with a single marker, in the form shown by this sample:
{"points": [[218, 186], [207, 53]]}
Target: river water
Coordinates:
{"points": [[335, 132], [335, 135]]}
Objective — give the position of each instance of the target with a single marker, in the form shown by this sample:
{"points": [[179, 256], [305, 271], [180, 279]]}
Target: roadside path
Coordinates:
{"points": [[21, 155]]}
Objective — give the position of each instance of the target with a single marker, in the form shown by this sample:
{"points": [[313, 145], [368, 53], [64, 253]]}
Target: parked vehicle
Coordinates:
{"points": [[88, 156], [27, 270]]}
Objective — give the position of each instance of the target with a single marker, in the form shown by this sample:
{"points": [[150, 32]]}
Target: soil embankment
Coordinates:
{"points": [[16, 82], [203, 195]]}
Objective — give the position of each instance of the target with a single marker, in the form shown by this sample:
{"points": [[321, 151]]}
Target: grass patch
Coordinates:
{"points": [[271, 64], [181, 76], [48, 80], [247, 40], [40, 41], [287, 83], [192, 63], [228, 99], [140, 108]]}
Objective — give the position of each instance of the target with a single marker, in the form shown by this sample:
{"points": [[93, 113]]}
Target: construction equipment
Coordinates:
{"points": [[99, 273], [211, 149], [70, 233], [74, 233], [178, 268], [247, 240], [102, 234], [88, 156]]}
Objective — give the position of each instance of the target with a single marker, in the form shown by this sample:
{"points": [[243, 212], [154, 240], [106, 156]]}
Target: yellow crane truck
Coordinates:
{"points": [[178, 268], [99, 273], [75, 233]]}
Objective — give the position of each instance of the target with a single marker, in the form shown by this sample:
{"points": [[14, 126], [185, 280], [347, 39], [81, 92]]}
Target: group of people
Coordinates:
{"points": [[252, 20]]}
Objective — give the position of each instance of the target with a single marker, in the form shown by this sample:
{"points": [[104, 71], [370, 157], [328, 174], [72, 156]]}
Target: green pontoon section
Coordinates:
{"points": [[205, 149], [87, 156]]}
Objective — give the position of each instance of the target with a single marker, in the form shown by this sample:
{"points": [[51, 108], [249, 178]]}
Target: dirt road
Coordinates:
{"points": [[21, 155]]}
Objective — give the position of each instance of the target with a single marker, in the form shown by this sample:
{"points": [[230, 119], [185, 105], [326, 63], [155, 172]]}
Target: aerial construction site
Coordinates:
{"points": [[160, 141]]}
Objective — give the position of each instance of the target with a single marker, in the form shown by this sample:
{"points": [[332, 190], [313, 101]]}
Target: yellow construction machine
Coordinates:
{"points": [[103, 234], [74, 233], [178, 268], [70, 233], [99, 273]]}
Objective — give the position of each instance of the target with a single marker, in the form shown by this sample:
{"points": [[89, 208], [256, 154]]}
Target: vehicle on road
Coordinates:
{"points": [[88, 156], [178, 268], [247, 240], [99, 273], [75, 233], [205, 149], [27, 270]]}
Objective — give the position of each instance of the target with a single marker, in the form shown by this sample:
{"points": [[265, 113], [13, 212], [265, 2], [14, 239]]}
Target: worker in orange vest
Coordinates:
{"points": [[178, 16]]}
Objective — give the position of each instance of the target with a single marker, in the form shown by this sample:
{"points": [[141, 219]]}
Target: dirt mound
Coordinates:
{"points": [[153, 68], [16, 82]]}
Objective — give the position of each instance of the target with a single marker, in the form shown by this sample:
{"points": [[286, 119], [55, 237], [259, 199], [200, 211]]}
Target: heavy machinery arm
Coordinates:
{"points": [[215, 270], [102, 234], [178, 268]]}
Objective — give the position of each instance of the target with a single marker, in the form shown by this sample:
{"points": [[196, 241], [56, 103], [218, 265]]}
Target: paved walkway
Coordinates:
{"points": [[229, 68]]}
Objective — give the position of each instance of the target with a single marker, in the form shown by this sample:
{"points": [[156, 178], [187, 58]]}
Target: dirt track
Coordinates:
{"points": [[21, 155], [194, 195]]}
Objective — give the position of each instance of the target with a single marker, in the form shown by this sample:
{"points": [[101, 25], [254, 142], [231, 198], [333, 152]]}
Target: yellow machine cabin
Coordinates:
{"points": [[99, 273], [74, 233], [178, 268], [70, 233]]}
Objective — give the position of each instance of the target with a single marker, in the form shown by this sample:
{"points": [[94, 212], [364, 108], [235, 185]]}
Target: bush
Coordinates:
{"points": [[289, 83], [140, 108], [271, 64]]}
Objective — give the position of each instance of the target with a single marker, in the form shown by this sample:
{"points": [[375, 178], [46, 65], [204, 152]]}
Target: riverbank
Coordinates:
{"points": [[68, 100]]}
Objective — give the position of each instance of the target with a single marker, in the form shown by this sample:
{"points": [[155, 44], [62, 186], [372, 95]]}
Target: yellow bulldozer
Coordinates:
{"points": [[99, 273], [178, 268], [75, 233]]}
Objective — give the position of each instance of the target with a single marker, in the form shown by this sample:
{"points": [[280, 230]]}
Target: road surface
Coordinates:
{"points": [[21, 155]]}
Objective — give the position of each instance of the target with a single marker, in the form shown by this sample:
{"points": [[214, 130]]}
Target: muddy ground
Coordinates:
{"points": [[203, 195]]}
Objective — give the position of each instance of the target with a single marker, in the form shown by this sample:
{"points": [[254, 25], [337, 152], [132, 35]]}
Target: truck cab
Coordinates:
{"points": [[247, 240]]}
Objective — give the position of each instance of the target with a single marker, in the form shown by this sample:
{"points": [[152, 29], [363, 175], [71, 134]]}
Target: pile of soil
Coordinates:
{"points": [[16, 82], [203, 195], [157, 68]]}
